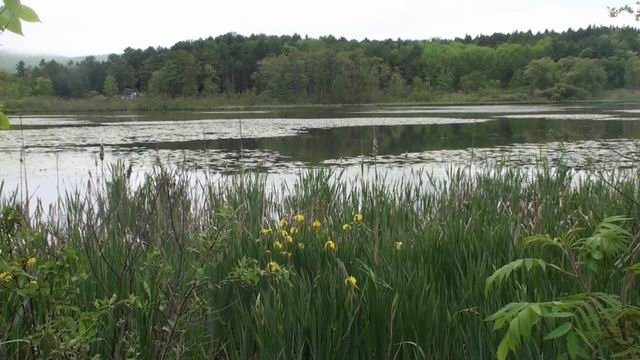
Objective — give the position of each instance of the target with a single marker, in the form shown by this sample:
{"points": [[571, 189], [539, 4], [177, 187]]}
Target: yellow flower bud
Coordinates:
{"points": [[358, 217], [277, 245], [351, 281], [299, 218], [31, 261], [273, 266], [399, 245], [330, 245], [346, 227], [5, 277], [288, 239], [316, 224]]}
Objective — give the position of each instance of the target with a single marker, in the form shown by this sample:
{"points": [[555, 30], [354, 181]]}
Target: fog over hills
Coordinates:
{"points": [[8, 60]]}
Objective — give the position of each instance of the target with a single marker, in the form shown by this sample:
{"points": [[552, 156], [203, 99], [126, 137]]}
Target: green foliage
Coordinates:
{"points": [[4, 121], [562, 91], [500, 275], [586, 74], [567, 78], [118, 67], [632, 72], [289, 69], [110, 88], [197, 274], [542, 73], [397, 87], [591, 322], [13, 13], [43, 87], [176, 77], [247, 272]]}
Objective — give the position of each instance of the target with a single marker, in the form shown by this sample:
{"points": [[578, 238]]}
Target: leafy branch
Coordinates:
{"points": [[13, 13], [615, 11], [593, 323]]}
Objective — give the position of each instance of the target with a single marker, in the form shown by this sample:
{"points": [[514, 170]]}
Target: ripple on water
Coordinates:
{"points": [[563, 116], [469, 109], [66, 147], [115, 134]]}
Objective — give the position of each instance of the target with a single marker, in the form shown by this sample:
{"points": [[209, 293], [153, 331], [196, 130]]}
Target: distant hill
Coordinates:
{"points": [[9, 60]]}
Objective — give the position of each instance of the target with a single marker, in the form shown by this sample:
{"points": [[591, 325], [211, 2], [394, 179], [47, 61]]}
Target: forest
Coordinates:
{"points": [[574, 64]]}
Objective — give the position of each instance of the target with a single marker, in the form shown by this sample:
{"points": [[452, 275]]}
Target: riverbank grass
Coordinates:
{"points": [[328, 268]]}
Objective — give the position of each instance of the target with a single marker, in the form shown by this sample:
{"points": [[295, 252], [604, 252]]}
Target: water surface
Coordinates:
{"points": [[61, 150]]}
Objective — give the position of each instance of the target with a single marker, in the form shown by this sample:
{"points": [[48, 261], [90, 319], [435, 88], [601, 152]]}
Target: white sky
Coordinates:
{"points": [[85, 27]]}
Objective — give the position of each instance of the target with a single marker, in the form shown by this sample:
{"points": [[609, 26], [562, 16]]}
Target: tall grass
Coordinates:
{"points": [[178, 268]]}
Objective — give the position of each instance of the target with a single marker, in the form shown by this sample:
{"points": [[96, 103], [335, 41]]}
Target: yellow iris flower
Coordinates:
{"points": [[330, 245]]}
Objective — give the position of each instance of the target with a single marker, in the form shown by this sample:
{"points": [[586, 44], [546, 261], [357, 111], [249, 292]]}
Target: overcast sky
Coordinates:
{"points": [[93, 27]]}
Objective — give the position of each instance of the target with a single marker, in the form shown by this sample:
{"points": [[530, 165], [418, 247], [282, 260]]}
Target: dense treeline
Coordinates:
{"points": [[290, 69]]}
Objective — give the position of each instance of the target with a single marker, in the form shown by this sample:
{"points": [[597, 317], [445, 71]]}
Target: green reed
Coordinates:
{"points": [[179, 267]]}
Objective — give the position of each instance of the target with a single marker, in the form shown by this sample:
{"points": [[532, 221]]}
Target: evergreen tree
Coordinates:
{"points": [[110, 88]]}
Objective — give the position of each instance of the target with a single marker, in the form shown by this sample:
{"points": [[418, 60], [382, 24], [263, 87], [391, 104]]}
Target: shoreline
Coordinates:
{"points": [[37, 105]]}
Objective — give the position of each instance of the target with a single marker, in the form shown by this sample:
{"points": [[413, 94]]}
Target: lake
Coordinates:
{"points": [[61, 150]]}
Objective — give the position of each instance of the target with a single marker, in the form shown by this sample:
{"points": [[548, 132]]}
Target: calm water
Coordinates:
{"points": [[61, 149]]}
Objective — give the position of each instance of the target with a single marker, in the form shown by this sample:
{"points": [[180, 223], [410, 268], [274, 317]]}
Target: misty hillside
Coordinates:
{"points": [[9, 60]]}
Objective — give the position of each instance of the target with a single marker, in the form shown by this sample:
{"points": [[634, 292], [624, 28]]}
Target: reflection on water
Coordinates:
{"points": [[469, 109], [281, 141]]}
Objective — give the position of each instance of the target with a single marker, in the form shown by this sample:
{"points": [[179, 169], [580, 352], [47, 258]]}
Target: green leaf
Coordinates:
{"points": [[536, 308], [561, 314], [14, 25], [635, 268], [543, 240], [498, 324], [505, 271], [5, 17], [28, 14], [575, 348], [13, 5], [526, 319], [597, 254], [559, 331], [503, 348], [4, 122], [514, 331]]}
